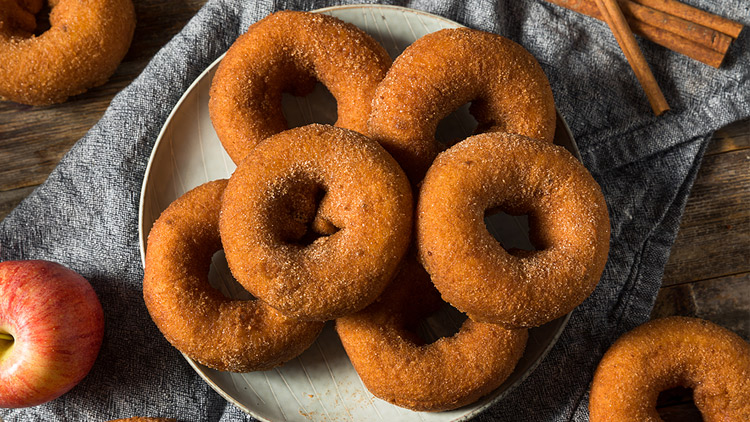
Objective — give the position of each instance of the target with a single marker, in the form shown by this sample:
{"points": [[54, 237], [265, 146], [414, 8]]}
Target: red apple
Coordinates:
{"points": [[51, 328]]}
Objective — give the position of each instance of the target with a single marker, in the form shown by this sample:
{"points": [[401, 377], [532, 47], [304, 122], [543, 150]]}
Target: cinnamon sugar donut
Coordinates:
{"points": [[396, 365], [439, 72], [286, 52], [224, 334], [363, 194], [82, 48], [568, 220], [667, 353]]}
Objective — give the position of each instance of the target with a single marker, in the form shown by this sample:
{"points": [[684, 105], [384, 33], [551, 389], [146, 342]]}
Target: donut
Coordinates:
{"points": [[667, 353], [270, 198], [395, 364], [568, 226], [224, 334], [82, 48], [439, 72], [287, 52]]}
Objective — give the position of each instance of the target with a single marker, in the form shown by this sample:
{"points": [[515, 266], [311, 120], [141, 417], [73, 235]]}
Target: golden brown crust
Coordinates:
{"points": [[667, 353], [83, 47], [449, 373], [569, 226], [288, 51], [224, 334], [445, 69], [270, 197]]}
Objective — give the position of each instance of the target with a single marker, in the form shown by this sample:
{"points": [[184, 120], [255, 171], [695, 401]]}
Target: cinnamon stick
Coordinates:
{"points": [[692, 39], [614, 17], [692, 14], [678, 44], [691, 30]]}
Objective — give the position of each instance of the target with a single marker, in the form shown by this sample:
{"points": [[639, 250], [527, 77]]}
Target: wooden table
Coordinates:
{"points": [[708, 274]]}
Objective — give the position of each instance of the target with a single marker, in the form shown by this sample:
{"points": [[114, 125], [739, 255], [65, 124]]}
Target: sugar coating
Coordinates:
{"points": [[673, 352], [443, 70], [367, 199], [287, 52], [397, 367], [568, 219], [83, 47], [224, 334]]}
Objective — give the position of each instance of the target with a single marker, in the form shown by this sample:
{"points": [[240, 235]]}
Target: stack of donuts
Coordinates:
{"points": [[372, 222]]}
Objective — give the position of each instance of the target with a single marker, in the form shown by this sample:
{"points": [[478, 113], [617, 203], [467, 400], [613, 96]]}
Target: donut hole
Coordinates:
{"points": [[318, 228], [677, 405], [512, 231], [221, 279], [300, 218], [22, 20], [42, 20], [455, 127], [319, 106], [445, 322]]}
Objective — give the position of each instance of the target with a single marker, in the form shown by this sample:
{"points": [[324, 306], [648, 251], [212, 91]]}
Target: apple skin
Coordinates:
{"points": [[57, 324]]}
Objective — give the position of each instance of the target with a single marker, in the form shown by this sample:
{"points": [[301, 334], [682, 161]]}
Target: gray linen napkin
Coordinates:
{"points": [[85, 215]]}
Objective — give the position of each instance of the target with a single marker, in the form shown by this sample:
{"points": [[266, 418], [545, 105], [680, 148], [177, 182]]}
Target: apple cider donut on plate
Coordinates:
{"points": [[443, 70], [568, 225], [224, 334], [287, 52], [365, 197], [82, 48], [673, 352], [396, 365]]}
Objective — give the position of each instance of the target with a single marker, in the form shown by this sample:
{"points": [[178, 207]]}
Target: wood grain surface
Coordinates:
{"points": [[708, 274]]}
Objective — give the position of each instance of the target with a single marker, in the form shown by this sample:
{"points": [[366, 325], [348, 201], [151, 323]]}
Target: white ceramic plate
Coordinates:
{"points": [[321, 384]]}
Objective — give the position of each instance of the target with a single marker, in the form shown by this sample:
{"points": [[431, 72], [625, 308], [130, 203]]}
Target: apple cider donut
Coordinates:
{"points": [[224, 334], [568, 220], [439, 72], [396, 365], [287, 52], [364, 194], [82, 48], [667, 353]]}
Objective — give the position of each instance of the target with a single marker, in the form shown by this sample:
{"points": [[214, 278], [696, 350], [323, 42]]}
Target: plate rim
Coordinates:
{"points": [[143, 238]]}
